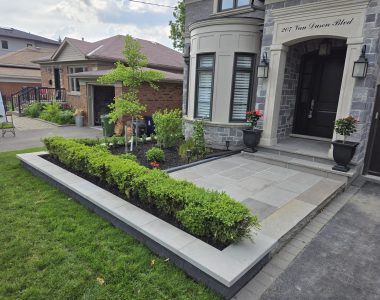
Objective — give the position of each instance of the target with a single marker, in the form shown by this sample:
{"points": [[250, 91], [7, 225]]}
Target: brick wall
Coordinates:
{"points": [[169, 95], [8, 88]]}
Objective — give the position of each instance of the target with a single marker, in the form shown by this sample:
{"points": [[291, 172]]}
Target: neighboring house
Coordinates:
{"points": [[18, 71], [12, 40], [77, 64], [311, 48]]}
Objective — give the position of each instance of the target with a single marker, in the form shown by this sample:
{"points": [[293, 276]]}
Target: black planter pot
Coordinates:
{"points": [[251, 138], [343, 154]]}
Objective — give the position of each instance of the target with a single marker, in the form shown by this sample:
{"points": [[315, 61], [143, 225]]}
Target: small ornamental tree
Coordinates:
{"points": [[132, 76], [346, 126], [177, 27]]}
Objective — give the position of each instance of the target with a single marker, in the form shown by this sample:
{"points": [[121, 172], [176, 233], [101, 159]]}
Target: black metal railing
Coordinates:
{"points": [[29, 95]]}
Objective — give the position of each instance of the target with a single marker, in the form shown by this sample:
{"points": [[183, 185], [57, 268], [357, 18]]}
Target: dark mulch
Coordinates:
{"points": [[172, 158]]}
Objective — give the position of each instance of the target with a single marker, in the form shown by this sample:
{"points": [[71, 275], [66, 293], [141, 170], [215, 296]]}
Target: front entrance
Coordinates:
{"points": [[318, 93], [103, 96], [373, 160]]}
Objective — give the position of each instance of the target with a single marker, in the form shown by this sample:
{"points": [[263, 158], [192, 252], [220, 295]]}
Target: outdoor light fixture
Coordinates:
{"points": [[324, 48], [189, 153], [361, 65], [263, 67], [227, 145], [186, 54]]}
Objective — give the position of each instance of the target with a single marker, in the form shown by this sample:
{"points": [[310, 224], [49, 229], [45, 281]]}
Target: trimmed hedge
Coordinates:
{"points": [[210, 215]]}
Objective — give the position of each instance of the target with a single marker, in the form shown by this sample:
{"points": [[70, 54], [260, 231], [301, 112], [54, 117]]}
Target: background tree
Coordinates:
{"points": [[177, 27], [132, 76]]}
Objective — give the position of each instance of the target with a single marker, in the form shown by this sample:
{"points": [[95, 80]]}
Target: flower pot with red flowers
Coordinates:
{"points": [[344, 151], [252, 135]]}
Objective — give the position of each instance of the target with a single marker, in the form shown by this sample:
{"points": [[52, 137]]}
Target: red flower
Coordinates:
{"points": [[154, 164]]}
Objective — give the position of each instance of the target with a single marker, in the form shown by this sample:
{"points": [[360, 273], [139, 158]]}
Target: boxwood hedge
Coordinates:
{"points": [[206, 214]]}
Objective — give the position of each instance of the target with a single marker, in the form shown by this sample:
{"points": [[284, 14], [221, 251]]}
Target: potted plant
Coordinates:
{"points": [[252, 135], [344, 151], [79, 117]]}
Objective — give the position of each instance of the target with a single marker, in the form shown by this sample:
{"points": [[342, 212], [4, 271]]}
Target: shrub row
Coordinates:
{"points": [[205, 214]]}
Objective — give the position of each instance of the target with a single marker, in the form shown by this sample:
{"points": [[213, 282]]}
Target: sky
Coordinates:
{"points": [[91, 19]]}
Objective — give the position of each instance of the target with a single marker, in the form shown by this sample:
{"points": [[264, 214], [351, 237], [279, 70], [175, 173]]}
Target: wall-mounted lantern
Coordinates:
{"points": [[263, 67], [186, 53], [361, 65]]}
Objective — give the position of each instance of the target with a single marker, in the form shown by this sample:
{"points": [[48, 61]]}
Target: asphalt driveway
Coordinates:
{"points": [[343, 261]]}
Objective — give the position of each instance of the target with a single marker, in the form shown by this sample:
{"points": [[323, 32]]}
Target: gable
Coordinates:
{"points": [[69, 53]]}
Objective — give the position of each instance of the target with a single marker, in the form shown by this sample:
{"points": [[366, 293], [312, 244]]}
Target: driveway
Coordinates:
{"points": [[30, 132], [343, 261]]}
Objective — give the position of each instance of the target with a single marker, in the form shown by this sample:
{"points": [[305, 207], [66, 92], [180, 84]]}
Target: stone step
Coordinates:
{"points": [[304, 155], [321, 167]]}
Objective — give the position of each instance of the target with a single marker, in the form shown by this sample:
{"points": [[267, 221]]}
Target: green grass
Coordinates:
{"points": [[51, 247]]}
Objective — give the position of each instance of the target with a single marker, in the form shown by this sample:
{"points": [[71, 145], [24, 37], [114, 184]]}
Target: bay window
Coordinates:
{"points": [[241, 93], [204, 85]]}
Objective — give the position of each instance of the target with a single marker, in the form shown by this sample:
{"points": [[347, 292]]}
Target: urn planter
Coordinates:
{"points": [[343, 153], [79, 120], [251, 138]]}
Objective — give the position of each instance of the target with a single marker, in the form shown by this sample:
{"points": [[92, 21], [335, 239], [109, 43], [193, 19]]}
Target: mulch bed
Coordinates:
{"points": [[172, 158]]}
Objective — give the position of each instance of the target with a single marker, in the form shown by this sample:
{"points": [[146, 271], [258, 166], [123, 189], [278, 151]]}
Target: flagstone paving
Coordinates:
{"points": [[262, 187]]}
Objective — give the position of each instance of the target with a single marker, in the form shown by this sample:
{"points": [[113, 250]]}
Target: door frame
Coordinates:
{"points": [[372, 134]]}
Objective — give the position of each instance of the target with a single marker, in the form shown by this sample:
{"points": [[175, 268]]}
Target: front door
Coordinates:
{"points": [[318, 93], [373, 158]]}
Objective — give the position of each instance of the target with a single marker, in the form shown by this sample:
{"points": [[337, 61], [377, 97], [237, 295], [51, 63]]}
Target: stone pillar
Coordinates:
{"points": [[273, 97]]}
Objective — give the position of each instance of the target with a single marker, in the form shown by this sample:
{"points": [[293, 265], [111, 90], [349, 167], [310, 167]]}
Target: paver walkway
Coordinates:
{"points": [[29, 133], [262, 187], [343, 261]]}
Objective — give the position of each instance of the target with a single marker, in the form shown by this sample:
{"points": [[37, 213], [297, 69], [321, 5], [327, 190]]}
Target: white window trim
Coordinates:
{"points": [[71, 90]]}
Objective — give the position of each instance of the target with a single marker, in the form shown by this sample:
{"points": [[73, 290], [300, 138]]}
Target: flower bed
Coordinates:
{"points": [[211, 216], [59, 113]]}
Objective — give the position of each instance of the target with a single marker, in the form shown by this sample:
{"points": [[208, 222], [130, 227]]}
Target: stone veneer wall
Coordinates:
{"points": [[364, 90], [216, 135], [364, 95]]}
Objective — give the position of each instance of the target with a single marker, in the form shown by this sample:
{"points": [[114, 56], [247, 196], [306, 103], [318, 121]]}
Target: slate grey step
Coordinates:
{"points": [[321, 167]]}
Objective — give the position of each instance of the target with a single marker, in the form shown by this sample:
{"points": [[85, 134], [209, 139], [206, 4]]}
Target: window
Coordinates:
{"points": [[74, 82], [4, 44], [204, 86], [29, 45], [231, 4], [241, 87]]}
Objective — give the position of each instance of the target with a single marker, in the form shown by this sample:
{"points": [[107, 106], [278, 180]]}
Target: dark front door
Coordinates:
{"points": [[103, 96], [373, 160], [318, 95], [57, 79]]}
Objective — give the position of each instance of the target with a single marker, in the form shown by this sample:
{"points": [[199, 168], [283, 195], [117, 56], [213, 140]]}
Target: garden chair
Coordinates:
{"points": [[8, 125]]}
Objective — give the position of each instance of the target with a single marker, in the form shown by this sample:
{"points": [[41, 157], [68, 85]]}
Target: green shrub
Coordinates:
{"points": [[186, 145], [199, 138], [65, 117], [53, 112], [33, 110], [155, 154], [168, 127], [210, 215], [110, 142], [129, 156]]}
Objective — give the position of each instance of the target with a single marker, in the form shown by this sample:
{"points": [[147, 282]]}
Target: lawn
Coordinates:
{"points": [[53, 248]]}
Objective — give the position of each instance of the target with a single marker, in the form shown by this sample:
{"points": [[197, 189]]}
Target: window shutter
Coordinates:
{"points": [[204, 86]]}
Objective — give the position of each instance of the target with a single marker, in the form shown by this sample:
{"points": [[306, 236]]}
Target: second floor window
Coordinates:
{"points": [[231, 4], [74, 82], [4, 44]]}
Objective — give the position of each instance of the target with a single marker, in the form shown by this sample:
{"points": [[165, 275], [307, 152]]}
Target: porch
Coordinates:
{"points": [[313, 156]]}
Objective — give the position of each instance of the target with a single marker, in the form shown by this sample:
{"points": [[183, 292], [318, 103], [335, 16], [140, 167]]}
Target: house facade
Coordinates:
{"points": [[77, 64], [12, 40], [18, 71], [308, 47]]}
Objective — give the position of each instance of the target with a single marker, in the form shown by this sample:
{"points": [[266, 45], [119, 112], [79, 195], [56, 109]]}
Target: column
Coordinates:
{"points": [[273, 96]]}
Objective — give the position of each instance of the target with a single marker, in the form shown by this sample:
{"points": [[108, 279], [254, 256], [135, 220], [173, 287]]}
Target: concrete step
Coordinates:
{"points": [[304, 163]]}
